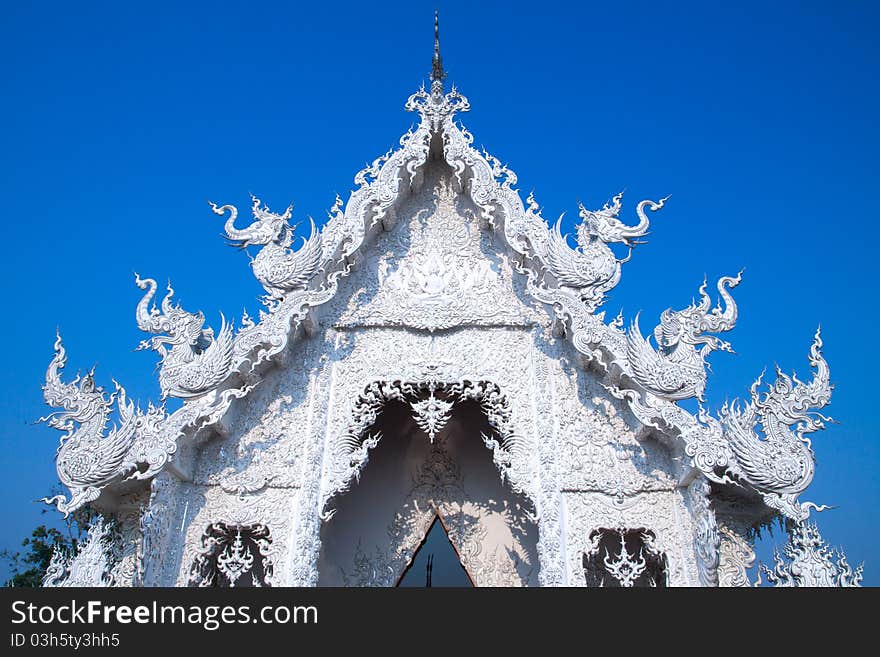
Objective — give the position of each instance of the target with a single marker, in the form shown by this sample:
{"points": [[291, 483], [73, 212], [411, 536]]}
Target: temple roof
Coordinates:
{"points": [[210, 370]]}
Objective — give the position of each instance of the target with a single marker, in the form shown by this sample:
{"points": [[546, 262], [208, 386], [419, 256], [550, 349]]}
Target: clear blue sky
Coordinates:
{"points": [[120, 120]]}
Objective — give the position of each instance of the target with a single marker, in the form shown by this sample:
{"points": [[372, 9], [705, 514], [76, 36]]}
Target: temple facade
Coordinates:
{"points": [[436, 352]]}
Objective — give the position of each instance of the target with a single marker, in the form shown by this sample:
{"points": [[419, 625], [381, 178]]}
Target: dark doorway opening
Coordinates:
{"points": [[435, 563]]}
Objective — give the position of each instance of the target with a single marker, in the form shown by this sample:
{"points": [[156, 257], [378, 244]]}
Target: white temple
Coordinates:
{"points": [[436, 351]]}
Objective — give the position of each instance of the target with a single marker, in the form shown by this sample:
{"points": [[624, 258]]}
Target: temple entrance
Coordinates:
{"points": [[435, 563], [419, 500]]}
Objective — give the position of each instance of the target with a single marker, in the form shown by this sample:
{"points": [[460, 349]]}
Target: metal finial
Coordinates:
{"points": [[437, 72]]}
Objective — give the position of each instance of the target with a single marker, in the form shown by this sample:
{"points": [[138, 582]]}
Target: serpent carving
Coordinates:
{"points": [[778, 460]]}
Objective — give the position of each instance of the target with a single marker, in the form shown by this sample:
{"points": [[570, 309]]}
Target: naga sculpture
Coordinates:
{"points": [[278, 268], [676, 369], [196, 361], [780, 463], [87, 459], [592, 268]]}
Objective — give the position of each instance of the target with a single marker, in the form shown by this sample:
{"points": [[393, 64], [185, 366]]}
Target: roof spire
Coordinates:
{"points": [[437, 72]]}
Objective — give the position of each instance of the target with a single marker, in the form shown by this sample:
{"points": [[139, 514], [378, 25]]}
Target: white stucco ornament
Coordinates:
{"points": [[436, 352], [810, 562]]}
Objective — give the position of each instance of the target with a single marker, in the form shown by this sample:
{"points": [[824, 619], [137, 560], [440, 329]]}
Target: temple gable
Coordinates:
{"points": [[436, 352], [439, 267]]}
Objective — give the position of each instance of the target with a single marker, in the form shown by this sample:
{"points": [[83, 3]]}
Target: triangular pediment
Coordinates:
{"points": [[438, 266]]}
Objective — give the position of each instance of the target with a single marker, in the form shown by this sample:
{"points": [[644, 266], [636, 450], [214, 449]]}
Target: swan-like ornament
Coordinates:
{"points": [[676, 369], [194, 362], [592, 268], [778, 460], [87, 459], [279, 269]]}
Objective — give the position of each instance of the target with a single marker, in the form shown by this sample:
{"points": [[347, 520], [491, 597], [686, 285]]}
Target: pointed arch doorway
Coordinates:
{"points": [[410, 488], [436, 562]]}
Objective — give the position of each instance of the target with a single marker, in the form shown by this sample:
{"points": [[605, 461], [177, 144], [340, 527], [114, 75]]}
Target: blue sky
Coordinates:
{"points": [[120, 120]]}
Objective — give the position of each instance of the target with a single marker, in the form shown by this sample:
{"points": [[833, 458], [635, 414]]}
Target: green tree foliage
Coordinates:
{"points": [[29, 564]]}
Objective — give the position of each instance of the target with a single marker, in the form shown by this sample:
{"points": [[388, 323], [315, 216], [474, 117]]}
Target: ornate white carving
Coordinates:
{"points": [[736, 557], [155, 526], [761, 443], [466, 285], [263, 519], [707, 542], [778, 461], [431, 414], [677, 368], [626, 568], [662, 513], [592, 268], [350, 450], [810, 562], [92, 563], [550, 548], [489, 532], [444, 271], [278, 268], [90, 457], [229, 554], [235, 560], [196, 361]]}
